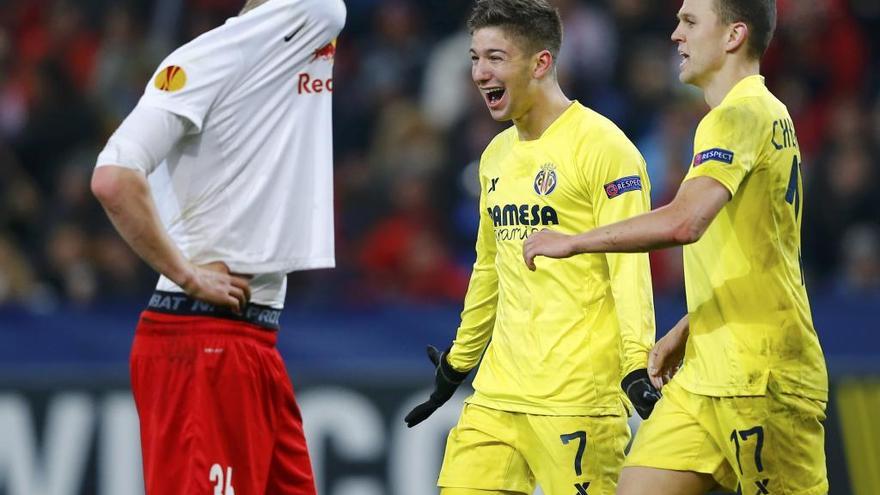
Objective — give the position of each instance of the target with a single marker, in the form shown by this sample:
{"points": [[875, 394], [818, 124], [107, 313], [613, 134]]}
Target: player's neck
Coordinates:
{"points": [[251, 4], [546, 108], [727, 77]]}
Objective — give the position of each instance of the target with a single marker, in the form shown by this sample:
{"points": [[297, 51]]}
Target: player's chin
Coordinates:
{"points": [[499, 116], [687, 76], [499, 113], [684, 77]]}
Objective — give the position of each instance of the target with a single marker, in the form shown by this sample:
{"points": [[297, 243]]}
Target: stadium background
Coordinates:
{"points": [[408, 129]]}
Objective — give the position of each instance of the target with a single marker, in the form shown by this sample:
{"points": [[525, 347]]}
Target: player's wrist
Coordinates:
{"points": [[449, 372], [186, 277]]}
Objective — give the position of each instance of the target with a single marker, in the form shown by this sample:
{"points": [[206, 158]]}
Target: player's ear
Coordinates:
{"points": [[737, 36], [543, 64]]}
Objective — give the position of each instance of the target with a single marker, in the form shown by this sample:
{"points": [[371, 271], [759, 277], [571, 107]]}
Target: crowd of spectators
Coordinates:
{"points": [[409, 129]]}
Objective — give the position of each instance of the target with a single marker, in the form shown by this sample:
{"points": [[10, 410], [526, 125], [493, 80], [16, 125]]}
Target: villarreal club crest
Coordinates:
{"points": [[545, 180]]}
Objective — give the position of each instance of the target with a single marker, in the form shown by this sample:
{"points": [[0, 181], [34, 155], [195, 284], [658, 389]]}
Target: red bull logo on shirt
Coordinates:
{"points": [[545, 180], [170, 79], [717, 154], [326, 52]]}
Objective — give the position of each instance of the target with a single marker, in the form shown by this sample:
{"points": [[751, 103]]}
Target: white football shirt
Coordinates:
{"points": [[251, 183]]}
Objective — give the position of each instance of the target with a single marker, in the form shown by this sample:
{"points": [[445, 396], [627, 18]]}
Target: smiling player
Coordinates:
{"points": [[548, 405]]}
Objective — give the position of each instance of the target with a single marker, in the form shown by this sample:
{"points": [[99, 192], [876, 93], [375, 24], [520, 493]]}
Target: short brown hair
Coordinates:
{"points": [[535, 22], [758, 15]]}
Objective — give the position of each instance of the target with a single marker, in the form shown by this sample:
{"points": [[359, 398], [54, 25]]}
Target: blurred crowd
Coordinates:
{"points": [[408, 131]]}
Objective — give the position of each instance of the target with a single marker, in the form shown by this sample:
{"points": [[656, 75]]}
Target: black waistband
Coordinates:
{"points": [[178, 303]]}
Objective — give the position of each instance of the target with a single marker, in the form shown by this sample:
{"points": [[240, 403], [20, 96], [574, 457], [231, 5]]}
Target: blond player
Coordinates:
{"points": [[747, 404], [548, 405]]}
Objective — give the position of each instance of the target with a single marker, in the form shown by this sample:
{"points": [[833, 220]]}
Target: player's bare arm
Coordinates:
{"points": [[125, 195], [683, 221], [666, 356]]}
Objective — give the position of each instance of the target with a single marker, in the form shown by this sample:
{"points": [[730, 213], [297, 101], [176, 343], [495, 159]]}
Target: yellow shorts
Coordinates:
{"points": [[771, 444], [567, 455]]}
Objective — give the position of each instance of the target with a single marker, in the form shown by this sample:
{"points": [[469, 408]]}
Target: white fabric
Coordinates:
{"points": [[144, 139], [252, 185]]}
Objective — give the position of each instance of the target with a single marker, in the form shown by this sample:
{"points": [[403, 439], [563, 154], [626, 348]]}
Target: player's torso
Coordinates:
{"points": [[530, 186], [555, 337], [261, 167], [746, 295]]}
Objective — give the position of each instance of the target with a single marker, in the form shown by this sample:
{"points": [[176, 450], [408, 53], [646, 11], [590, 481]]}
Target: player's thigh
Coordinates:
{"points": [[471, 491], [776, 442], [201, 411], [481, 454], [680, 436], [290, 471], [637, 480], [577, 454]]}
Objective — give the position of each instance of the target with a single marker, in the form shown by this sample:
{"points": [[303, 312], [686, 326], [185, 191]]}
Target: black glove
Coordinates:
{"points": [[641, 392], [446, 380]]}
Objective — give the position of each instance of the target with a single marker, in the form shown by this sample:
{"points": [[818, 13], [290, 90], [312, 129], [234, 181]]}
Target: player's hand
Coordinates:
{"points": [[446, 381], [641, 392], [547, 243], [213, 284], [665, 358]]}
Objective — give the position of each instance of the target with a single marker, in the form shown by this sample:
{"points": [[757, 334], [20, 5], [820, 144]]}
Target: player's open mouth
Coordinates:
{"points": [[493, 96], [684, 59]]}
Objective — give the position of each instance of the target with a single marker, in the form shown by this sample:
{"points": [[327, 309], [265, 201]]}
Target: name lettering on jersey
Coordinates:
{"points": [[307, 85], [623, 185], [715, 154], [170, 79], [518, 221], [515, 215], [783, 136], [545, 180]]}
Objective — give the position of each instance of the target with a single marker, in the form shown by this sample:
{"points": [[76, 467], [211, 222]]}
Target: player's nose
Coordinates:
{"points": [[677, 35], [480, 72]]}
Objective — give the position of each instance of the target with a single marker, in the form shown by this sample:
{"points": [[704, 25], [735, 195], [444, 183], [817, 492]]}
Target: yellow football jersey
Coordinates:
{"points": [[749, 315], [561, 338]]}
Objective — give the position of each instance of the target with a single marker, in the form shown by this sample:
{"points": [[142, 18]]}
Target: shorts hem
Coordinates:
{"points": [[821, 489], [670, 466], [499, 486]]}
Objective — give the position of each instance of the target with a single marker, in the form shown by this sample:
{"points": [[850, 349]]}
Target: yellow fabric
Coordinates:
{"points": [[858, 402], [498, 450], [561, 337], [468, 491], [749, 314], [692, 432]]}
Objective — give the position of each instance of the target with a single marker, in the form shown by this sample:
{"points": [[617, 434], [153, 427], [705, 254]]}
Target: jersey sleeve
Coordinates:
{"points": [[621, 190], [143, 139], [726, 146], [481, 300], [189, 81]]}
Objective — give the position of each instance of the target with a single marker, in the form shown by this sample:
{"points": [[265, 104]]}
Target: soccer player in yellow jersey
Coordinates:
{"points": [[548, 405], [747, 403]]}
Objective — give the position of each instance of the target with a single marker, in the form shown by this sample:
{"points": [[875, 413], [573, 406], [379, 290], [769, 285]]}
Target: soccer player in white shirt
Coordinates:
{"points": [[221, 180]]}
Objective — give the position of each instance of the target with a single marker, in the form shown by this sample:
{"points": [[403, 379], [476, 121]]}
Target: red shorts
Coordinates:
{"points": [[217, 411]]}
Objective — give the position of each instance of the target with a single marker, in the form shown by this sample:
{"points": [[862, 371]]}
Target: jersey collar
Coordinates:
{"points": [[746, 86]]}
